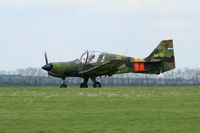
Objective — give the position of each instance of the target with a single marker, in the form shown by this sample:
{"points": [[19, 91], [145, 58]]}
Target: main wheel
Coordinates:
{"points": [[63, 86], [97, 85], [83, 85]]}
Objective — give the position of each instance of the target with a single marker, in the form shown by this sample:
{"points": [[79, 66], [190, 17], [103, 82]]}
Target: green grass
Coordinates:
{"points": [[106, 110]]}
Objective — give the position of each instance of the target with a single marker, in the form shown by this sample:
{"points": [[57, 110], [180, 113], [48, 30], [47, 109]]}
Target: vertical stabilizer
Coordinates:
{"points": [[163, 53]]}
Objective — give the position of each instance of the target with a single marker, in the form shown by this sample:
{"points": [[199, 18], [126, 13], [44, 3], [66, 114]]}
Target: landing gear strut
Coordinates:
{"points": [[64, 84], [85, 83]]}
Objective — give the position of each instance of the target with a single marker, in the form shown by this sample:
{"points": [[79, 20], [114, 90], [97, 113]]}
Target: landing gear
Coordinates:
{"points": [[95, 83], [85, 83], [64, 84]]}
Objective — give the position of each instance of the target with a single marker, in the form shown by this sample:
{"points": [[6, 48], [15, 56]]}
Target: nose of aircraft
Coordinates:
{"points": [[47, 67]]}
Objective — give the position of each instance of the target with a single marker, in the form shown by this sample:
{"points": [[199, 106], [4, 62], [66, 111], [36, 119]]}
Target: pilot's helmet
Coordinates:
{"points": [[92, 56]]}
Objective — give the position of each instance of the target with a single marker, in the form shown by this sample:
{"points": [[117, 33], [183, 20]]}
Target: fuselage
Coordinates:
{"points": [[93, 64], [73, 68]]}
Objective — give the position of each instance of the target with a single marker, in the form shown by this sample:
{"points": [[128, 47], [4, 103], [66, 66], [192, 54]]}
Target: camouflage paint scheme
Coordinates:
{"points": [[159, 61]]}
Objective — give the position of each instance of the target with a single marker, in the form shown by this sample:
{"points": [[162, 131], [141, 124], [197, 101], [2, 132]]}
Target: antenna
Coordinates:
{"points": [[125, 52]]}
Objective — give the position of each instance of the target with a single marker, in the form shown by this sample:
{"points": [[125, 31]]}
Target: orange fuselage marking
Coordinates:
{"points": [[141, 66], [138, 65]]}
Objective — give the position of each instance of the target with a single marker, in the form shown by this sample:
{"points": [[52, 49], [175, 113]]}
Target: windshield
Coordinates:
{"points": [[92, 57]]}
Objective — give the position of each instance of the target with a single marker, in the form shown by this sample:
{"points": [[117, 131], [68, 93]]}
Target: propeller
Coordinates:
{"points": [[46, 59], [48, 66]]}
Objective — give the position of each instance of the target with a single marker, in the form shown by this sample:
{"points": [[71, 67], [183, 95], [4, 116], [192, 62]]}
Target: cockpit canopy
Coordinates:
{"points": [[91, 57]]}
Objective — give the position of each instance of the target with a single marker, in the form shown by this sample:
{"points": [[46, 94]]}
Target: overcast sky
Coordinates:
{"points": [[67, 28]]}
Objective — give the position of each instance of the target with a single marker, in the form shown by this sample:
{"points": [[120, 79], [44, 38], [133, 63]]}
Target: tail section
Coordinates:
{"points": [[164, 54], [159, 61]]}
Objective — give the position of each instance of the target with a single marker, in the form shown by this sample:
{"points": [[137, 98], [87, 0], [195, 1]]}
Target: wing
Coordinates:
{"points": [[107, 68]]}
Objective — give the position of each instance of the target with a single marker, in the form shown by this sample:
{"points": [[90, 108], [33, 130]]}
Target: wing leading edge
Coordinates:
{"points": [[107, 68]]}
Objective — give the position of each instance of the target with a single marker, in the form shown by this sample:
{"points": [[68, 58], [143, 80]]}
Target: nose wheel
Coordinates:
{"points": [[64, 84]]}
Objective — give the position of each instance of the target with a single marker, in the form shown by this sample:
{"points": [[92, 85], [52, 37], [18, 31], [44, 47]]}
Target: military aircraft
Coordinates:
{"points": [[93, 64]]}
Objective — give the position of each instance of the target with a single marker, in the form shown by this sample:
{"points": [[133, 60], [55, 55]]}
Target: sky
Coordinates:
{"points": [[67, 28]]}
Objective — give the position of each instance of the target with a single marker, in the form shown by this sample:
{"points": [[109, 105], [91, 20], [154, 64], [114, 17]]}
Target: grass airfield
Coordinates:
{"points": [[105, 110]]}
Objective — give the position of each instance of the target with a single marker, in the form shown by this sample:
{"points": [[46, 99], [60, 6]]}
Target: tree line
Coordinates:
{"points": [[36, 76]]}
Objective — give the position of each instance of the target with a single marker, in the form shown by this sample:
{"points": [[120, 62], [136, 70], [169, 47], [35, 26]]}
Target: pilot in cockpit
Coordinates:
{"points": [[91, 57]]}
